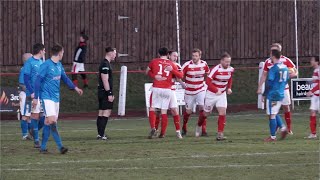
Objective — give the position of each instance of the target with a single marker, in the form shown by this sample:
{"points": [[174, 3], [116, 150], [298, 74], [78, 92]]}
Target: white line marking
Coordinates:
{"points": [[174, 167], [79, 130], [158, 158]]}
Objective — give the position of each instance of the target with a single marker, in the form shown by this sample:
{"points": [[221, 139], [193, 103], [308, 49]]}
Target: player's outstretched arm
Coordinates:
{"points": [[229, 86], [69, 83], [27, 77]]}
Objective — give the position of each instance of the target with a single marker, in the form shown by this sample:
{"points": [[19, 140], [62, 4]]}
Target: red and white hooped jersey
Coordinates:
{"points": [[316, 80], [221, 78], [174, 79], [194, 76], [286, 61]]}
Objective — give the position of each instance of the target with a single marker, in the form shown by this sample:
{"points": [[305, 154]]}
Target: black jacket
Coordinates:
{"points": [[80, 53]]}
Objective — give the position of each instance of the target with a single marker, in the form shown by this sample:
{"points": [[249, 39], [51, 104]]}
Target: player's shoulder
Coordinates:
{"points": [[268, 61], [203, 62], [285, 58], [231, 69]]}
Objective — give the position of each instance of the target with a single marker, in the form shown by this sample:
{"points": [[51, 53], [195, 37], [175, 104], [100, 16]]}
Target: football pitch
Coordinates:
{"points": [[130, 155]]}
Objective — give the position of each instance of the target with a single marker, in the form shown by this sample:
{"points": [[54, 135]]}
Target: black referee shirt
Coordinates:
{"points": [[105, 68]]}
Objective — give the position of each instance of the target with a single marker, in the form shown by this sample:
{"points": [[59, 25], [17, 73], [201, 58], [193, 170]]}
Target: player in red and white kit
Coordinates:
{"points": [[286, 102], [173, 105], [219, 83], [194, 71], [162, 70], [315, 101]]}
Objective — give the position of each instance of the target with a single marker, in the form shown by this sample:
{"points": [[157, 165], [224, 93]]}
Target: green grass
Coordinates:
{"points": [[130, 155], [244, 90]]}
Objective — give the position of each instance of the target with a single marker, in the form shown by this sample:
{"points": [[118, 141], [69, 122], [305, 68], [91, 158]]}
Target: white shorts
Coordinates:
{"points": [[273, 107], [36, 109], [24, 106], [286, 100], [212, 100], [50, 108], [77, 67], [315, 103], [173, 101], [160, 98], [192, 100]]}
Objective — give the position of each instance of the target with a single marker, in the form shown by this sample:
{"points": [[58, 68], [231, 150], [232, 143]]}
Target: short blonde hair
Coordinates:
{"points": [[276, 45]]}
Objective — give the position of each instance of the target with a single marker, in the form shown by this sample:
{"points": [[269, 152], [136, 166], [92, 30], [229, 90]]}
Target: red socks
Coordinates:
{"points": [[201, 119], [85, 81], [221, 123], [75, 82], [157, 121], [152, 119], [204, 126], [185, 120], [164, 123], [176, 120], [313, 124], [287, 117]]}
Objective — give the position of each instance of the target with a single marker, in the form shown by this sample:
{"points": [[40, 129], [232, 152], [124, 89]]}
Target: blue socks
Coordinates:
{"points": [[29, 126], [279, 121], [24, 127], [41, 122], [45, 136], [273, 126], [56, 136], [35, 130]]}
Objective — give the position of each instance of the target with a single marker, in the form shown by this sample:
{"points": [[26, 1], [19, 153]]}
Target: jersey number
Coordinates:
{"points": [[160, 70], [283, 76]]}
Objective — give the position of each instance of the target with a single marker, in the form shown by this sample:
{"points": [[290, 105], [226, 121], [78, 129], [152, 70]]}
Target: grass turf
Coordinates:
{"points": [[130, 155]]}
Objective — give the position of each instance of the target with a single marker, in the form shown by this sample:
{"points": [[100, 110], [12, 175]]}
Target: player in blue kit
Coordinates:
{"points": [[25, 122], [31, 70], [47, 87], [277, 80]]}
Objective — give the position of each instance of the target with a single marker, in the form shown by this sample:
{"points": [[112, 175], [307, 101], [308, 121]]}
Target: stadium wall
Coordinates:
{"points": [[243, 28]]}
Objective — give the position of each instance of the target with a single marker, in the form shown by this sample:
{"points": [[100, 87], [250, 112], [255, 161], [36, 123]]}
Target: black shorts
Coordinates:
{"points": [[104, 104]]}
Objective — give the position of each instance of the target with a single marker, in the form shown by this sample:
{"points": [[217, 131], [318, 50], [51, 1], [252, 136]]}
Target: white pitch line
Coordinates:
{"points": [[159, 158], [80, 130], [173, 167]]}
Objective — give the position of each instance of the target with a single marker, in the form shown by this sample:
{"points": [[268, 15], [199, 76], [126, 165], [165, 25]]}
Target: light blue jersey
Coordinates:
{"points": [[21, 76], [278, 77], [49, 80], [31, 70]]}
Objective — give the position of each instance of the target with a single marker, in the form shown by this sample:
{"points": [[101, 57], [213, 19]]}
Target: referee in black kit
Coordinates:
{"points": [[105, 93]]}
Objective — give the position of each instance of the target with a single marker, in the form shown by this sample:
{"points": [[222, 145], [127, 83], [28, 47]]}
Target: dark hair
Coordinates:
{"points": [[37, 48], [84, 35], [110, 49], [171, 51], [56, 49], [163, 51], [197, 50], [225, 55], [276, 53], [316, 58]]}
